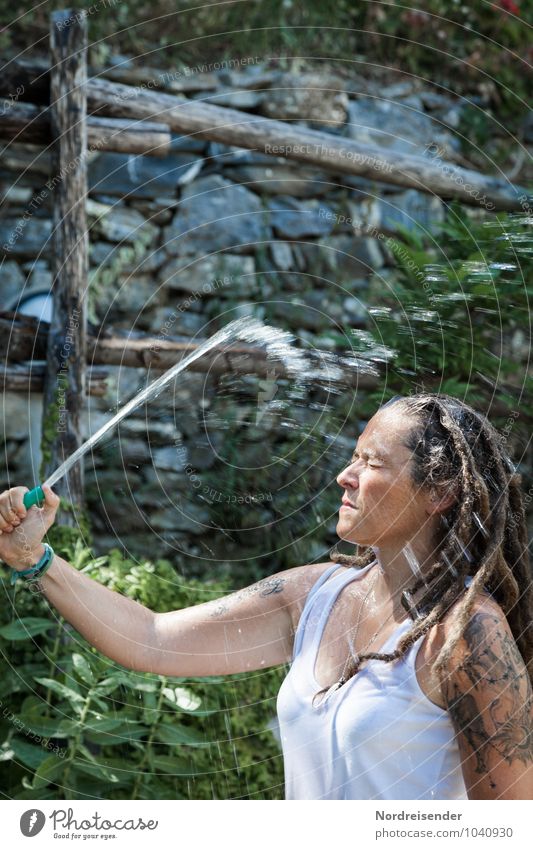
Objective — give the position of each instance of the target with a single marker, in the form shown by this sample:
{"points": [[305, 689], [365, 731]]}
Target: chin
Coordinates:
{"points": [[350, 535]]}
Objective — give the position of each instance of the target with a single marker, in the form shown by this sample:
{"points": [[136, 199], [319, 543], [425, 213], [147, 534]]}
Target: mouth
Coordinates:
{"points": [[347, 506]]}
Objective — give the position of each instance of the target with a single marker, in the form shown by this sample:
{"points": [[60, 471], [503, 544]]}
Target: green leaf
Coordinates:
{"points": [[178, 735], [100, 703], [103, 723], [29, 793], [49, 769], [112, 731], [125, 736], [96, 771], [62, 690], [82, 667], [46, 727], [29, 754], [30, 626], [182, 698], [143, 686], [11, 683], [172, 765], [93, 766], [108, 685]]}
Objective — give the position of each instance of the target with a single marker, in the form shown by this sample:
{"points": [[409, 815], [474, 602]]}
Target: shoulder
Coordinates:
{"points": [[485, 622], [484, 660], [303, 579], [485, 626]]}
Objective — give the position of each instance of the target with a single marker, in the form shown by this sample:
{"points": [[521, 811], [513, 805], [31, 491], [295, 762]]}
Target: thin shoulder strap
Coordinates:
{"points": [[307, 607]]}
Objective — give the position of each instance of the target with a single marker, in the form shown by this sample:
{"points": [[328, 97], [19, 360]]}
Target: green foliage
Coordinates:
{"points": [[74, 725], [454, 316], [463, 45], [49, 429]]}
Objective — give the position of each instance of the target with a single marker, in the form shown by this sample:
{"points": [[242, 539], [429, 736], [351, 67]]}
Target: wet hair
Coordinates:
{"points": [[483, 534]]}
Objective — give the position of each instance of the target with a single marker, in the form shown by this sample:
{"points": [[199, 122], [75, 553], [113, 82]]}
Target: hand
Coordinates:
{"points": [[21, 530]]}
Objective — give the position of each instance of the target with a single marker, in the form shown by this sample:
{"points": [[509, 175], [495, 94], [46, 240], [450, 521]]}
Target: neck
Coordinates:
{"points": [[400, 569]]}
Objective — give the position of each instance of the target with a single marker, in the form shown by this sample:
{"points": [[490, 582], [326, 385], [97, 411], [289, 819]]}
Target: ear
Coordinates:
{"points": [[440, 501]]}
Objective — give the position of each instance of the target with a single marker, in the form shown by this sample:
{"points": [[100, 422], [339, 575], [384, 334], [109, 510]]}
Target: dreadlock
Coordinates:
{"points": [[484, 535]]}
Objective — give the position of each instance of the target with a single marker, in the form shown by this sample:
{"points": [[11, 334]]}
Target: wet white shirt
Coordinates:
{"points": [[378, 736]]}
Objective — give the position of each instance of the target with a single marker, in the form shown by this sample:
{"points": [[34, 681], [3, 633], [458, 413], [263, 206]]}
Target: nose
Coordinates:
{"points": [[349, 477]]}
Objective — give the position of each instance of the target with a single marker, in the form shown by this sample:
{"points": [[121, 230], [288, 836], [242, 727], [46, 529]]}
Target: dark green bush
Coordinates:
{"points": [[74, 725], [456, 314]]}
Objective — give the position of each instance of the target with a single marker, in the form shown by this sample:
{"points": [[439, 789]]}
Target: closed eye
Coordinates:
{"points": [[371, 461]]}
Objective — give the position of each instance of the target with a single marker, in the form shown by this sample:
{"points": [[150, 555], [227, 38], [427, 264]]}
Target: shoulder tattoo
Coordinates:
{"points": [[501, 721]]}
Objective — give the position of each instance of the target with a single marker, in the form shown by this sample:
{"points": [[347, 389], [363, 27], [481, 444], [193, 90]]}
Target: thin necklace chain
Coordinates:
{"points": [[355, 629], [356, 655]]}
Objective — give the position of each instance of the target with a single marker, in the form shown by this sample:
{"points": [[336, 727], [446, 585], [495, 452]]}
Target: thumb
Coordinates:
{"points": [[52, 502]]}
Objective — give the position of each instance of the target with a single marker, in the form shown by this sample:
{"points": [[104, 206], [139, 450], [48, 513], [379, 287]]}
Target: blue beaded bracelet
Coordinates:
{"points": [[37, 571]]}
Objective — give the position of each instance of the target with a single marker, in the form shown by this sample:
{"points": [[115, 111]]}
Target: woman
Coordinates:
{"points": [[411, 661]]}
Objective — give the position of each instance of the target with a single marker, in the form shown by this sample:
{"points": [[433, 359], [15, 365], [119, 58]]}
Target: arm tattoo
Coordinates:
{"points": [[466, 718], [494, 665], [266, 587]]}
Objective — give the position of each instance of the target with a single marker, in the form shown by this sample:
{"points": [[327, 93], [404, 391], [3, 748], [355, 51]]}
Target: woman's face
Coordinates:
{"points": [[382, 507]]}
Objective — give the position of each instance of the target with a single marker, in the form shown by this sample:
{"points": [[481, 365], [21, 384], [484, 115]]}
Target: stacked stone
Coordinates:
{"points": [[181, 245]]}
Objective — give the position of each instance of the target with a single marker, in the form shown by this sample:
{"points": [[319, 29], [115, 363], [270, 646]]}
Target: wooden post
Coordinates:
{"points": [[65, 379]]}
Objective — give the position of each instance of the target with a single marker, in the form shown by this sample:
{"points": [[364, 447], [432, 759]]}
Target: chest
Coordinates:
{"points": [[353, 628]]}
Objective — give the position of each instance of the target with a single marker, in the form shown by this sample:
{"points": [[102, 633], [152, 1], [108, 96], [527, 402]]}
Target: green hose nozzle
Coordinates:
{"points": [[34, 496]]}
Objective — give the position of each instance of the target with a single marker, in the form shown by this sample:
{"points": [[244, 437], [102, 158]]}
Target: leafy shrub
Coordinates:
{"points": [[74, 725], [456, 315]]}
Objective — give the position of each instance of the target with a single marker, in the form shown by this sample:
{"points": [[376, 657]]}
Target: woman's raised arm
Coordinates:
{"points": [[248, 629], [488, 695]]}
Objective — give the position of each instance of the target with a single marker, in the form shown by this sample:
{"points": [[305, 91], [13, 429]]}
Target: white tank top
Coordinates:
{"points": [[376, 737]]}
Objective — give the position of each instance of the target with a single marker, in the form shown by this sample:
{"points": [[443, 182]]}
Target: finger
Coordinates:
{"points": [[5, 522], [5, 515], [12, 508], [16, 500], [52, 501], [51, 498]]}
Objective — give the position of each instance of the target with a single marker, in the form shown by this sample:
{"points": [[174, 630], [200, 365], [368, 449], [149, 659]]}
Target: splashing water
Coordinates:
{"points": [[278, 344], [413, 563]]}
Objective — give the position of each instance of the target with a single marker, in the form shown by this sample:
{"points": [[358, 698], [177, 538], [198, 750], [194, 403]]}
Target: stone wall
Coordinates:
{"points": [[181, 245]]}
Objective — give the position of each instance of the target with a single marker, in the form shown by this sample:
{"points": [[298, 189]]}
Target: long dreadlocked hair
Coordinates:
{"points": [[484, 533]]}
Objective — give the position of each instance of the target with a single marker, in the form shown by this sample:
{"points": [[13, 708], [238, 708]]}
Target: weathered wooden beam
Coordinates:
{"points": [[313, 147], [24, 338], [26, 122], [29, 377], [174, 81], [119, 135], [137, 350], [65, 378], [241, 129]]}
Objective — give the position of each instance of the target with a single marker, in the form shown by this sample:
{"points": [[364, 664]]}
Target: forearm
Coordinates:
{"points": [[117, 626]]}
